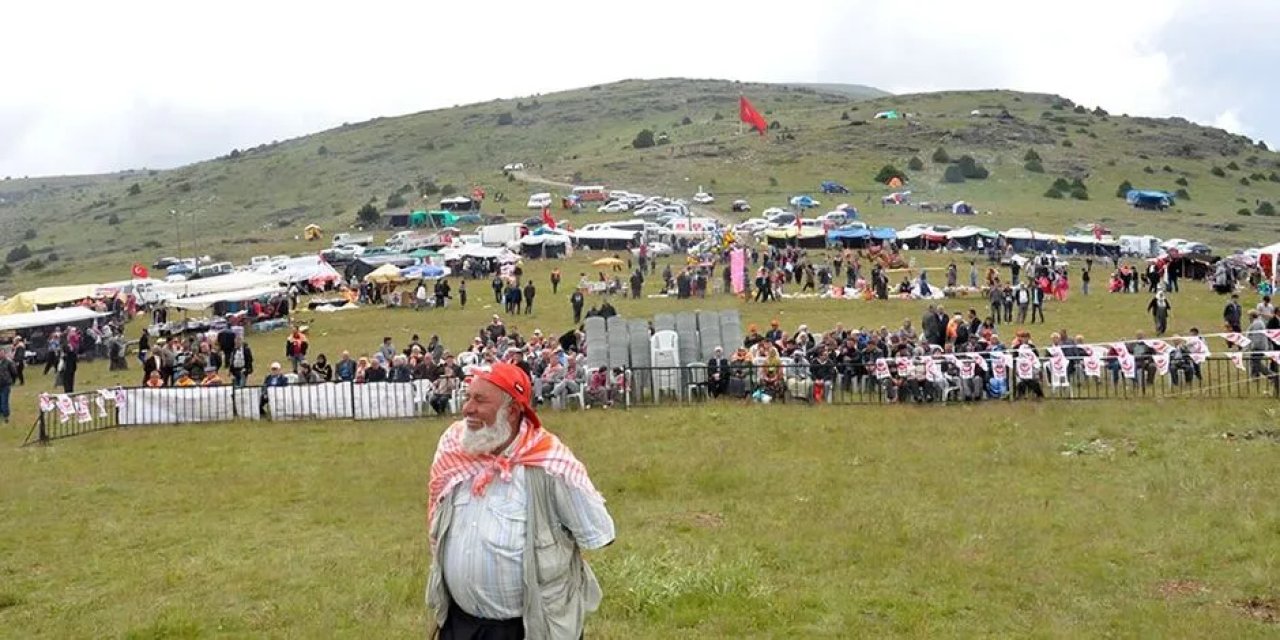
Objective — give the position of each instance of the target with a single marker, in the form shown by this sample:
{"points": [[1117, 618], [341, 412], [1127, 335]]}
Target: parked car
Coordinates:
{"points": [[751, 226], [656, 249], [741, 206], [514, 166], [165, 263], [614, 207], [702, 197]]}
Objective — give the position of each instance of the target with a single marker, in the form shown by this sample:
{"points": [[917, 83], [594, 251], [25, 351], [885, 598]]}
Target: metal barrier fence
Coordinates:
{"points": [[910, 380]]}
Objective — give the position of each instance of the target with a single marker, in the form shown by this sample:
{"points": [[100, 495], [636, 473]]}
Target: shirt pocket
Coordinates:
{"points": [[505, 530]]}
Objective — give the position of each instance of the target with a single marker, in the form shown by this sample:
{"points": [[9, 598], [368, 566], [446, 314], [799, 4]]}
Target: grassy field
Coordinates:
{"points": [[733, 523], [256, 200]]}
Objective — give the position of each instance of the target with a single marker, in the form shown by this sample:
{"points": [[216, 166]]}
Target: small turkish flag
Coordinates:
{"points": [[139, 271], [748, 114], [547, 219]]}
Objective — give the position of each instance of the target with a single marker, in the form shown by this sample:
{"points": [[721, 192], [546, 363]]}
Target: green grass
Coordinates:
{"points": [[257, 202], [733, 523]]}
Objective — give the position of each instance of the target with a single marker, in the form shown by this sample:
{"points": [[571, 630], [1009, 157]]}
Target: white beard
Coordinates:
{"points": [[486, 438]]}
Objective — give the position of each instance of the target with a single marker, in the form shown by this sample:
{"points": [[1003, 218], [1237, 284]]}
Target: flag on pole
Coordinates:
{"points": [[139, 271], [748, 114], [547, 219]]}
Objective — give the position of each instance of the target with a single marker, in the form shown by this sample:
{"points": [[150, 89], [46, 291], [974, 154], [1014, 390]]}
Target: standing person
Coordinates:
{"points": [[20, 359], [1084, 281], [70, 361], [555, 280], [226, 343], [420, 296], [529, 292], [973, 274], [442, 292], [506, 497], [1024, 301], [1037, 303], [1159, 309], [462, 294], [1232, 314], [295, 348], [497, 289], [996, 298], [576, 301], [240, 362], [8, 374]]}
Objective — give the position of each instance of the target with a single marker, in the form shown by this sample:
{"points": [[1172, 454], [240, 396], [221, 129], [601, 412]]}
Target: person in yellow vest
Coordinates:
{"points": [[211, 378], [184, 379]]}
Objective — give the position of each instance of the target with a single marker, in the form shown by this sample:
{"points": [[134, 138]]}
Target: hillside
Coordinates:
{"points": [[254, 200]]}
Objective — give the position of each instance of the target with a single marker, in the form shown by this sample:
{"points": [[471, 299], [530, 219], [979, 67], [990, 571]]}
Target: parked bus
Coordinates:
{"points": [[591, 194]]}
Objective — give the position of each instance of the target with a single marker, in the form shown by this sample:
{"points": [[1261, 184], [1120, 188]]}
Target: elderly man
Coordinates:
{"points": [[510, 510]]}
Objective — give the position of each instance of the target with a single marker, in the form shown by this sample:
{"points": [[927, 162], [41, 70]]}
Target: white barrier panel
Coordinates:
{"points": [[173, 406], [379, 400], [310, 401]]}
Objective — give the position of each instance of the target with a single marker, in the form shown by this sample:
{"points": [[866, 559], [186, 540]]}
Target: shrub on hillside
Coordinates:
{"points": [[113, 219], [953, 174], [643, 140], [773, 182], [5, 271], [1182, 181], [889, 172], [1217, 171], [1265, 209], [1274, 177], [34, 265], [18, 253], [506, 118], [844, 115], [1124, 189], [1031, 155], [1257, 177], [1080, 193], [395, 201], [685, 121], [1182, 194], [1244, 182], [1243, 212], [717, 117], [1167, 169], [427, 187], [971, 169], [448, 189], [29, 234], [368, 215], [1053, 193], [1068, 143], [915, 164], [940, 156], [1033, 166], [1233, 166], [1148, 169], [322, 151], [1061, 184], [135, 189]]}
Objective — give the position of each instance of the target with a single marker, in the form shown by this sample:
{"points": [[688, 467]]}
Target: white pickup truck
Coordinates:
{"points": [[363, 240]]}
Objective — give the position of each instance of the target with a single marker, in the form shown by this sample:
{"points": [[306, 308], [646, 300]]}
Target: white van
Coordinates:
{"points": [[539, 201], [696, 226], [259, 260], [1142, 246]]}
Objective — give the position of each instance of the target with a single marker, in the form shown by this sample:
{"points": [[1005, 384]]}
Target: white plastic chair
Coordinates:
{"points": [[697, 380]]}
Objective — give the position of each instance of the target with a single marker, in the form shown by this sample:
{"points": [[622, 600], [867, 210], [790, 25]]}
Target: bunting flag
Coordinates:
{"points": [[1236, 339], [1093, 366], [1127, 365], [1272, 335], [547, 219], [1162, 363], [882, 369], [998, 367], [1026, 367], [1237, 359], [748, 114], [904, 367], [1058, 366], [66, 408], [967, 369], [1275, 356], [1159, 346], [102, 405], [121, 397], [46, 403], [82, 409], [933, 370], [1198, 349], [979, 360], [1098, 351]]}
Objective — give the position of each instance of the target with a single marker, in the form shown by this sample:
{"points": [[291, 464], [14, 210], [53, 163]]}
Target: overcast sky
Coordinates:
{"points": [[92, 86]]}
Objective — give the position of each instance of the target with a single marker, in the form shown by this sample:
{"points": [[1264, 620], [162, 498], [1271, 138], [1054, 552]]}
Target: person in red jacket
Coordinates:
{"points": [[295, 348]]}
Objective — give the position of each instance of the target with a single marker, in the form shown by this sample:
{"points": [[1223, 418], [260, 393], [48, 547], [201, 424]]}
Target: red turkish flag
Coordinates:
{"points": [[547, 219], [749, 115], [139, 271]]}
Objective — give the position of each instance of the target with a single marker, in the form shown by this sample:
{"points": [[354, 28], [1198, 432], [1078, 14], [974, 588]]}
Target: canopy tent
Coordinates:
{"points": [[1145, 199], [1090, 245], [962, 208], [310, 269], [387, 273], [24, 302], [365, 265], [28, 301], [1269, 262], [887, 115], [202, 302], [216, 284], [311, 232], [424, 253], [607, 238], [420, 271], [854, 236], [459, 203], [968, 236], [805, 237], [548, 244], [1027, 240], [51, 317]]}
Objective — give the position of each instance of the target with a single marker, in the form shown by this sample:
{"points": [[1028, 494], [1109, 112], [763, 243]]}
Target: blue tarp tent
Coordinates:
{"points": [[1143, 199], [849, 236], [883, 233]]}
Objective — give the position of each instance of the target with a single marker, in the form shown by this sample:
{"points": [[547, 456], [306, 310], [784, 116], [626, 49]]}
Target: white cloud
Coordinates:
{"points": [[1229, 120], [149, 83]]}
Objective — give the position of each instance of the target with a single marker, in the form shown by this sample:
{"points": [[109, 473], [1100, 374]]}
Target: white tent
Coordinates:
{"points": [[217, 284], [300, 269], [202, 302], [63, 316]]}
